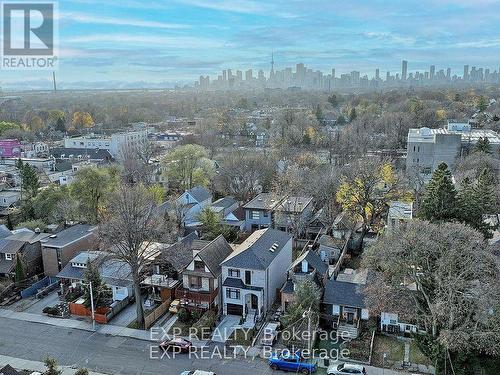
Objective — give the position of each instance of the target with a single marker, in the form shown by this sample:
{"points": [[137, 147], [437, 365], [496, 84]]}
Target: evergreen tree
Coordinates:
{"points": [[20, 269], [483, 145], [440, 198], [60, 125], [485, 192], [319, 113], [101, 293]]}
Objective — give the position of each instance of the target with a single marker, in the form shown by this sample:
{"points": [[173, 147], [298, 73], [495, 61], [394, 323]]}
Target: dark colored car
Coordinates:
{"points": [[177, 345]]}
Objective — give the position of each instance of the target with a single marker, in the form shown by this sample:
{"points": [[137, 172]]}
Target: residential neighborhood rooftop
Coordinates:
{"points": [[344, 293], [258, 250], [263, 201], [68, 235]]}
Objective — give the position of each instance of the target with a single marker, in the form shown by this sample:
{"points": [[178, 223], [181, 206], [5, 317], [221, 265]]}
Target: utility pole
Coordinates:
{"points": [[92, 305], [308, 313]]}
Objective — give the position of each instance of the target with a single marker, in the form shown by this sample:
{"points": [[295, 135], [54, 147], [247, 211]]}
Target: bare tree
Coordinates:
{"points": [[136, 159], [130, 226], [454, 278]]}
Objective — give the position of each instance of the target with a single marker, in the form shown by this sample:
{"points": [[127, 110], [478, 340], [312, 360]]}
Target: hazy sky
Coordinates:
{"points": [[141, 43]]}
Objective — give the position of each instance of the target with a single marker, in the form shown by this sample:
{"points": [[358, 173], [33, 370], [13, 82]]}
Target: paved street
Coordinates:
{"points": [[108, 354], [114, 354]]}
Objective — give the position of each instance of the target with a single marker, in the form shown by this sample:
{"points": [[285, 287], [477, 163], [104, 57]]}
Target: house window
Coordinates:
{"points": [[233, 293], [9, 256], [233, 273], [255, 215], [266, 214], [195, 282], [199, 265], [248, 277]]}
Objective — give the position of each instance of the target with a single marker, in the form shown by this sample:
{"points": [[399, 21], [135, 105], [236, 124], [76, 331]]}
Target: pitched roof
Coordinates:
{"points": [[95, 154], [256, 251], [28, 236], [313, 259], [263, 201], [199, 193], [8, 370], [4, 231], [10, 246], [344, 294], [180, 254], [68, 235], [238, 213], [225, 202], [214, 254]]}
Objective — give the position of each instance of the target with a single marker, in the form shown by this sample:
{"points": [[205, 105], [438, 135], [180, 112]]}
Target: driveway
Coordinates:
{"points": [[225, 328], [33, 305]]}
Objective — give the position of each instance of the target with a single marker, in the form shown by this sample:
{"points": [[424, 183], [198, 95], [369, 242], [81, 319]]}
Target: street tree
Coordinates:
{"points": [[128, 230]]}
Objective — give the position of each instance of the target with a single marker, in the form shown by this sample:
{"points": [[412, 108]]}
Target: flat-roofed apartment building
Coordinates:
{"points": [[427, 148]]}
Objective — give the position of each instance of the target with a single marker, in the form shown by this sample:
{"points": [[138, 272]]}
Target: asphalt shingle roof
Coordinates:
{"points": [[199, 193], [344, 294], [214, 254], [225, 202], [258, 254], [94, 154], [180, 254], [314, 260], [68, 235], [263, 201]]}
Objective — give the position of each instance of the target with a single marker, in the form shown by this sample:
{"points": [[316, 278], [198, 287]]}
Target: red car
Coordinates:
{"points": [[177, 344]]}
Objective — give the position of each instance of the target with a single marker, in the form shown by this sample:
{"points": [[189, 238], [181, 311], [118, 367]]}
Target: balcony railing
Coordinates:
{"points": [[196, 297]]}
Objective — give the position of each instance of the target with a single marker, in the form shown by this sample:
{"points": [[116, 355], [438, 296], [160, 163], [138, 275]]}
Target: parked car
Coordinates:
{"points": [[292, 362], [198, 372], [341, 368], [269, 334], [175, 306], [177, 344]]}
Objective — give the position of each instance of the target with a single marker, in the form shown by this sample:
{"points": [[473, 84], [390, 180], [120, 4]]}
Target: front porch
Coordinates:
{"points": [[196, 300]]}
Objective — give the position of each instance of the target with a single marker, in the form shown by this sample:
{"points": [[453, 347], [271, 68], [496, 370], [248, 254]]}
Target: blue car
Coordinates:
{"points": [[291, 362]]}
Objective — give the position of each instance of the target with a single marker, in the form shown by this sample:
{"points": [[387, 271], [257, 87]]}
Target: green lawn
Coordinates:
{"points": [[416, 356], [394, 348]]}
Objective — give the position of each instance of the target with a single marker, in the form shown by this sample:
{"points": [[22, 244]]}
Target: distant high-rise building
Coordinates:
{"points": [[432, 72], [404, 70], [224, 75], [249, 75], [466, 72], [448, 74], [377, 74]]}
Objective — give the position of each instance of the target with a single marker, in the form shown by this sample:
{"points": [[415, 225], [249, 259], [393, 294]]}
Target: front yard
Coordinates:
{"points": [[394, 349]]}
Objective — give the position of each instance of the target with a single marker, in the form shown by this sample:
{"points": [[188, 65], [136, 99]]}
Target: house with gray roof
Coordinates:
{"points": [[259, 212], [201, 277], [254, 272], [344, 305], [114, 272], [308, 266], [191, 203], [23, 245], [166, 273], [59, 248]]}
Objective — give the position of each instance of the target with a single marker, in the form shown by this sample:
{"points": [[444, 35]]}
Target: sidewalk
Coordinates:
{"points": [[105, 329], [24, 364]]}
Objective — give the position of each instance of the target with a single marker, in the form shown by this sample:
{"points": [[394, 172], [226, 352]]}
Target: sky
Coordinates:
{"points": [[139, 43]]}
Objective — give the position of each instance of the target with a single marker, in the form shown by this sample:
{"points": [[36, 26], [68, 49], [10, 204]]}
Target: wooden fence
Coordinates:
{"points": [[156, 314]]}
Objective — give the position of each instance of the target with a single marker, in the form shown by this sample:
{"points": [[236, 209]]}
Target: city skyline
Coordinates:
{"points": [[309, 78], [173, 42]]}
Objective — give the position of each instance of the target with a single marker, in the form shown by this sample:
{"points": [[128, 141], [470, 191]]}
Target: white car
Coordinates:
{"points": [[341, 368], [197, 372]]}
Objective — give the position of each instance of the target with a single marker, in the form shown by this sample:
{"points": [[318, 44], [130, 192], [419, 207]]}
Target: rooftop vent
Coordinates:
{"points": [[273, 248]]}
